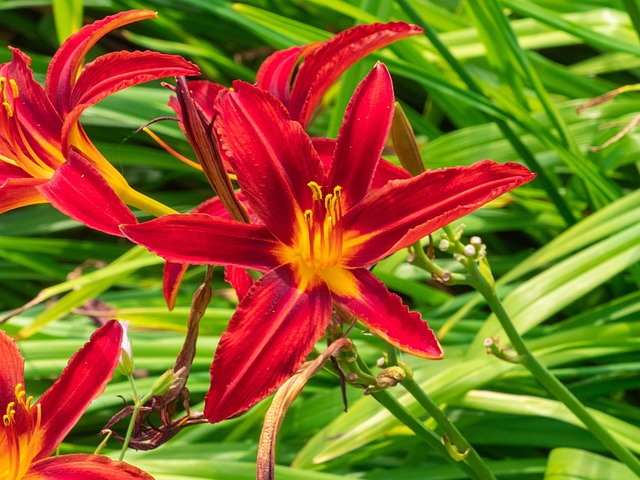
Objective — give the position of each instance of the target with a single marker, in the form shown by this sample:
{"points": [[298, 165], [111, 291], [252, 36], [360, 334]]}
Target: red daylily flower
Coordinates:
{"points": [[38, 126], [318, 66], [31, 431], [321, 228]]}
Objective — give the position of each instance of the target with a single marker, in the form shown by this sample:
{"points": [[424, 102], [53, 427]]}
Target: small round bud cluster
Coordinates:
{"points": [[475, 249]]}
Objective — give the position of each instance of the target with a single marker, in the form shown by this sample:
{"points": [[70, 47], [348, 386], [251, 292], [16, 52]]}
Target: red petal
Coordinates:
{"points": [[276, 71], [11, 369], [64, 67], [200, 239], [172, 276], [274, 328], [84, 467], [35, 126], [272, 156], [239, 279], [386, 170], [403, 211], [78, 190], [116, 71], [174, 272], [326, 63], [19, 192], [362, 136], [384, 313], [84, 379]]}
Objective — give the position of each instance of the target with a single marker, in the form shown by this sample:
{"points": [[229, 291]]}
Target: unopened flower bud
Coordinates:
{"points": [[475, 240], [469, 250], [443, 245], [125, 364], [390, 377], [165, 381]]}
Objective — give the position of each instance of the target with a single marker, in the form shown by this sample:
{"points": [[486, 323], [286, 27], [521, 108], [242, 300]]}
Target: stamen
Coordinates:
{"points": [[8, 108], [316, 190], [8, 417], [308, 218], [14, 87], [179, 156]]}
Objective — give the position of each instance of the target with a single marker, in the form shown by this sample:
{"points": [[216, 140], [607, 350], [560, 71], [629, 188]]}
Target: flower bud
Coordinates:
{"points": [[165, 381], [125, 364]]}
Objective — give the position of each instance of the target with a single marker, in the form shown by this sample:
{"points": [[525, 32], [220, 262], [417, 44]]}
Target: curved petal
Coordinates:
{"points": [[403, 211], [36, 122], [384, 313], [20, 192], [386, 170], [116, 71], [173, 273], [326, 63], [11, 368], [239, 279], [200, 239], [65, 64], [81, 466], [272, 156], [362, 136], [276, 71], [78, 190], [84, 379], [274, 328]]}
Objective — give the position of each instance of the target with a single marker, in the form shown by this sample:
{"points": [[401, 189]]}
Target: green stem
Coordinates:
{"points": [[138, 402], [545, 377], [461, 444], [397, 410]]}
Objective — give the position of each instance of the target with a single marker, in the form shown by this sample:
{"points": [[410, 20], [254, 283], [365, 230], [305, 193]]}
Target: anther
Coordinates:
{"points": [[8, 417], [8, 108], [308, 216], [14, 87], [316, 190]]}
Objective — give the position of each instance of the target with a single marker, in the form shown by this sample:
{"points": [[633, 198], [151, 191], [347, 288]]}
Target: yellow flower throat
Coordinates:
{"points": [[21, 435]]}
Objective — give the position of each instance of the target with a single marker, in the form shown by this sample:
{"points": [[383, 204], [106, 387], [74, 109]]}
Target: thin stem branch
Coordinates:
{"points": [[459, 441], [397, 410], [545, 377]]}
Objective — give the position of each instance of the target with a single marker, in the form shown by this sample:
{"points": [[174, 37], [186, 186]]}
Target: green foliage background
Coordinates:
{"points": [[565, 249]]}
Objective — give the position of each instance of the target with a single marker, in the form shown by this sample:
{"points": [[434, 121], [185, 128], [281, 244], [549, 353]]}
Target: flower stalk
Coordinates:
{"points": [[480, 278]]}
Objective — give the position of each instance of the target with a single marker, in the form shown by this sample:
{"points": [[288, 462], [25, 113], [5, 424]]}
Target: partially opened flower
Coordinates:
{"points": [[31, 431], [38, 126], [321, 228]]}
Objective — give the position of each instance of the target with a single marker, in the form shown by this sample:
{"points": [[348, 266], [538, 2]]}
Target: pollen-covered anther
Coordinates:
{"points": [[8, 418], [14, 87], [21, 396]]}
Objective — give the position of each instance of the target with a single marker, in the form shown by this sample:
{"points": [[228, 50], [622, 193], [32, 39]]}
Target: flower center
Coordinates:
{"points": [[21, 432], [323, 228], [18, 142]]}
